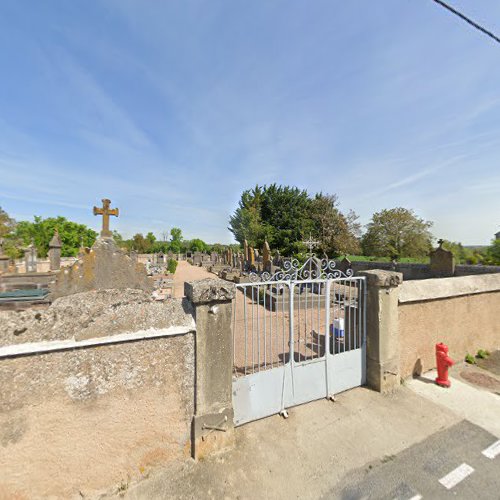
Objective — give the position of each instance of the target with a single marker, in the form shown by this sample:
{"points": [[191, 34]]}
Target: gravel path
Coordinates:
{"points": [[187, 272]]}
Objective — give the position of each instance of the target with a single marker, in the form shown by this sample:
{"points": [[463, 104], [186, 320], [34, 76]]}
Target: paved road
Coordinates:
{"points": [[416, 472]]}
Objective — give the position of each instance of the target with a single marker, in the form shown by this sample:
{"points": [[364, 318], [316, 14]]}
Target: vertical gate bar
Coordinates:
{"points": [[306, 329], [355, 317], [343, 299], [246, 326], [291, 336], [234, 330], [365, 291], [253, 328], [349, 315], [258, 328], [318, 343], [283, 325], [265, 330], [327, 332], [272, 306], [299, 321]]}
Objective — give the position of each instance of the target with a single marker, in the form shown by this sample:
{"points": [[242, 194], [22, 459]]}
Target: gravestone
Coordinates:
{"points": [[197, 258], [442, 262], [251, 257], [103, 267], [246, 252], [30, 259], [12, 269], [4, 259], [266, 257], [55, 252]]}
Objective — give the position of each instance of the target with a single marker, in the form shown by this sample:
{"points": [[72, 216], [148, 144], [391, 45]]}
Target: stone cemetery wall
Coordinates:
{"points": [[43, 265], [468, 270], [463, 312], [410, 271], [421, 271], [97, 390]]}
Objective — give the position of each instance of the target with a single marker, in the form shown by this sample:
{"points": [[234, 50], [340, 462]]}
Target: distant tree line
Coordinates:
{"points": [[284, 216], [172, 242], [17, 236]]}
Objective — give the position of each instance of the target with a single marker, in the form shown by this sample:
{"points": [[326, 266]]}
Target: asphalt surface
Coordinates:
{"points": [[415, 472]]}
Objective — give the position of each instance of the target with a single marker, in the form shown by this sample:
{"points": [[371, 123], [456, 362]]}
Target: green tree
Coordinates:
{"points": [[197, 245], [246, 222], [11, 245], [7, 224], [462, 254], [285, 215], [151, 238], [492, 254], [140, 244], [337, 233], [175, 240], [397, 233], [41, 231]]}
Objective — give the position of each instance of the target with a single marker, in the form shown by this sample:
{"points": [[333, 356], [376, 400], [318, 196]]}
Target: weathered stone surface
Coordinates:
{"points": [[130, 404], [93, 314], [55, 252], [382, 278], [209, 290], [382, 330], [440, 288], [105, 266]]}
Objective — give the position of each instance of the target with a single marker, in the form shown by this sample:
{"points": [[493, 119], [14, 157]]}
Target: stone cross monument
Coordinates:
{"points": [[310, 244], [105, 211]]}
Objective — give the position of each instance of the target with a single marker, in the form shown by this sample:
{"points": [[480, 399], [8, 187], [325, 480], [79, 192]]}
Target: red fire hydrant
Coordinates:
{"points": [[443, 362]]}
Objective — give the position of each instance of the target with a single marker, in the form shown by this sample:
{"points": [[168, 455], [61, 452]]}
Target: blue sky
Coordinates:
{"points": [[171, 109]]}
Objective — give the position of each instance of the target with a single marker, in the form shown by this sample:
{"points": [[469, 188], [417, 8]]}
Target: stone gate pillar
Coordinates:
{"points": [[212, 427], [382, 329]]}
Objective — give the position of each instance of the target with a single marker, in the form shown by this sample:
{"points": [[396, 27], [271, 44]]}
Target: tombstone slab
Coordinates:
{"points": [[55, 252], [103, 267], [442, 262]]}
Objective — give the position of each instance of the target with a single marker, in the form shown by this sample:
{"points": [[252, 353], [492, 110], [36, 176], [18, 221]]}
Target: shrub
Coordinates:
{"points": [[482, 354], [470, 359], [171, 266]]}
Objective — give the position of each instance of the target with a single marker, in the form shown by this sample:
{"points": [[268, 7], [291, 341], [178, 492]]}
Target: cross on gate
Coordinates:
{"points": [[310, 243], [105, 211]]}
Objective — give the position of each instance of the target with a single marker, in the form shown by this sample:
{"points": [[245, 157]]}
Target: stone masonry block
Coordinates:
{"points": [[209, 290], [380, 278]]}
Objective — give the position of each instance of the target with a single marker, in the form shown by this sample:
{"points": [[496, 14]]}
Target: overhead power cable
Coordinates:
{"points": [[468, 20]]}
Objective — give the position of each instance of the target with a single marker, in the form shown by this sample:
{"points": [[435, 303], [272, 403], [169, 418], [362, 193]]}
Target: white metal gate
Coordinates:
{"points": [[298, 336]]}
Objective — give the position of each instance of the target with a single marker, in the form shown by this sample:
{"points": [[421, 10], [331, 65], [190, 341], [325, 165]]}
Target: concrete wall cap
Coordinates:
{"points": [[209, 290], [441, 288], [381, 278]]}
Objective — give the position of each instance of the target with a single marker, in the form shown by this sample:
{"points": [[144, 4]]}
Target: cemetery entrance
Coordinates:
{"points": [[298, 335]]}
